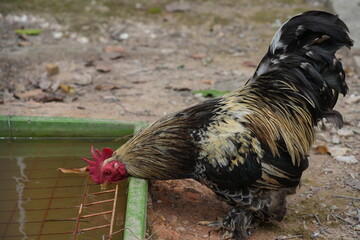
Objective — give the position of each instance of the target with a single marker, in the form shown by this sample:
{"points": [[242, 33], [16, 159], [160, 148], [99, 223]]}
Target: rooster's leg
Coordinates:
{"points": [[236, 224]]}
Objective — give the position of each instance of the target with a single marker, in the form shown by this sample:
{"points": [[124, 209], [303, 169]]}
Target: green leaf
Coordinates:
{"points": [[182, 66], [154, 10], [29, 31], [211, 93]]}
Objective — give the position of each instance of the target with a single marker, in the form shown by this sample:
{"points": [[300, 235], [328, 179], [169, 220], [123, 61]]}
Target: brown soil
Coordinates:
{"points": [[214, 45]]}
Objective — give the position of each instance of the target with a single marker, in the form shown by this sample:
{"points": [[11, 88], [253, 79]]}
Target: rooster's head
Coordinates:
{"points": [[105, 172]]}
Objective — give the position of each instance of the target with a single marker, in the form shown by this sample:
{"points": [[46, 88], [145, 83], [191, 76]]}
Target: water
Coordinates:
{"points": [[38, 202]]}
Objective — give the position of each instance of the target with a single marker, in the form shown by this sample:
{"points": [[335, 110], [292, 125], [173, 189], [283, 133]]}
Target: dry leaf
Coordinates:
{"points": [[67, 88], [250, 64], [198, 56], [115, 49], [29, 94], [83, 170], [321, 150]]}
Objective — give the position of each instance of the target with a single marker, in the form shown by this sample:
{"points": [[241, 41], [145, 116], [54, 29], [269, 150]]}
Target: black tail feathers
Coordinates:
{"points": [[303, 52]]}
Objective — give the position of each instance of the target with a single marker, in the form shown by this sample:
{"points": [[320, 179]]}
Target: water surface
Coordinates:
{"points": [[39, 202]]}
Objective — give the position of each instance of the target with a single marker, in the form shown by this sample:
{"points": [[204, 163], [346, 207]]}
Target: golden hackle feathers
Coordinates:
{"points": [[278, 115]]}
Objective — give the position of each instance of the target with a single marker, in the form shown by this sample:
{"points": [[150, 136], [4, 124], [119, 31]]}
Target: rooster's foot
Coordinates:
{"points": [[237, 224]]}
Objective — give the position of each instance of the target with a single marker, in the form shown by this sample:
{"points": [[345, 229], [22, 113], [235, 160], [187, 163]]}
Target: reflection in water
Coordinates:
{"points": [[20, 189]]}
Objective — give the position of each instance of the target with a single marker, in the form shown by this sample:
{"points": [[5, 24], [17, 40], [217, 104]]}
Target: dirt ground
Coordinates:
{"points": [[138, 60]]}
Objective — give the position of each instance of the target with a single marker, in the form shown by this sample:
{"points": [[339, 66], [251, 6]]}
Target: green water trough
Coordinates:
{"points": [[23, 128]]}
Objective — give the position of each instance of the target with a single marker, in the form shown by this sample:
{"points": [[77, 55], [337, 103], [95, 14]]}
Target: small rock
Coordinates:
{"points": [[52, 69], [180, 229], [82, 79], [315, 234], [353, 182], [24, 43], [334, 207], [83, 40], [102, 67], [111, 56], [138, 6], [19, 87], [327, 170], [199, 96], [55, 85], [346, 159], [29, 94], [352, 99], [322, 136], [335, 139], [57, 35], [345, 132], [110, 98], [44, 83], [338, 151], [180, 6], [357, 227], [5, 97], [64, 77], [124, 36]]}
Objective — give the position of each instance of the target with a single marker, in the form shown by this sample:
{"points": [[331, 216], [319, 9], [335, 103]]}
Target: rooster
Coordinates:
{"points": [[250, 146]]}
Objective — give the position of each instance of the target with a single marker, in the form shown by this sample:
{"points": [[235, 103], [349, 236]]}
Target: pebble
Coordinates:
{"points": [[346, 159], [124, 36], [345, 132], [179, 6], [334, 207], [335, 139], [82, 79], [44, 83], [315, 234], [110, 98], [58, 35], [352, 99], [338, 151], [19, 87], [29, 94], [52, 69], [83, 40], [180, 229], [357, 227]]}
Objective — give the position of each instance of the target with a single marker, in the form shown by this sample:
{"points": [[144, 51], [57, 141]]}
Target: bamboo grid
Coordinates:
{"points": [[36, 228]]}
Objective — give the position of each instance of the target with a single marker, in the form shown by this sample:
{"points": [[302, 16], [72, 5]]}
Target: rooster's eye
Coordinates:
{"points": [[107, 172]]}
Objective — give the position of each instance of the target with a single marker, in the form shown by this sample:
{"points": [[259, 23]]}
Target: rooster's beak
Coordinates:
{"points": [[105, 185]]}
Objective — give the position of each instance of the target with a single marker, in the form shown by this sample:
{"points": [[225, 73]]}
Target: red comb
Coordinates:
{"points": [[99, 158]]}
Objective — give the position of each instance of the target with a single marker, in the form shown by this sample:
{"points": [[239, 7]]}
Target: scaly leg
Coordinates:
{"points": [[237, 224]]}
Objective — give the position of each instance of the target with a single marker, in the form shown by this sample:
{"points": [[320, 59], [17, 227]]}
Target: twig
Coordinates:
{"points": [[347, 197], [317, 218], [343, 219], [138, 71], [288, 237]]}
